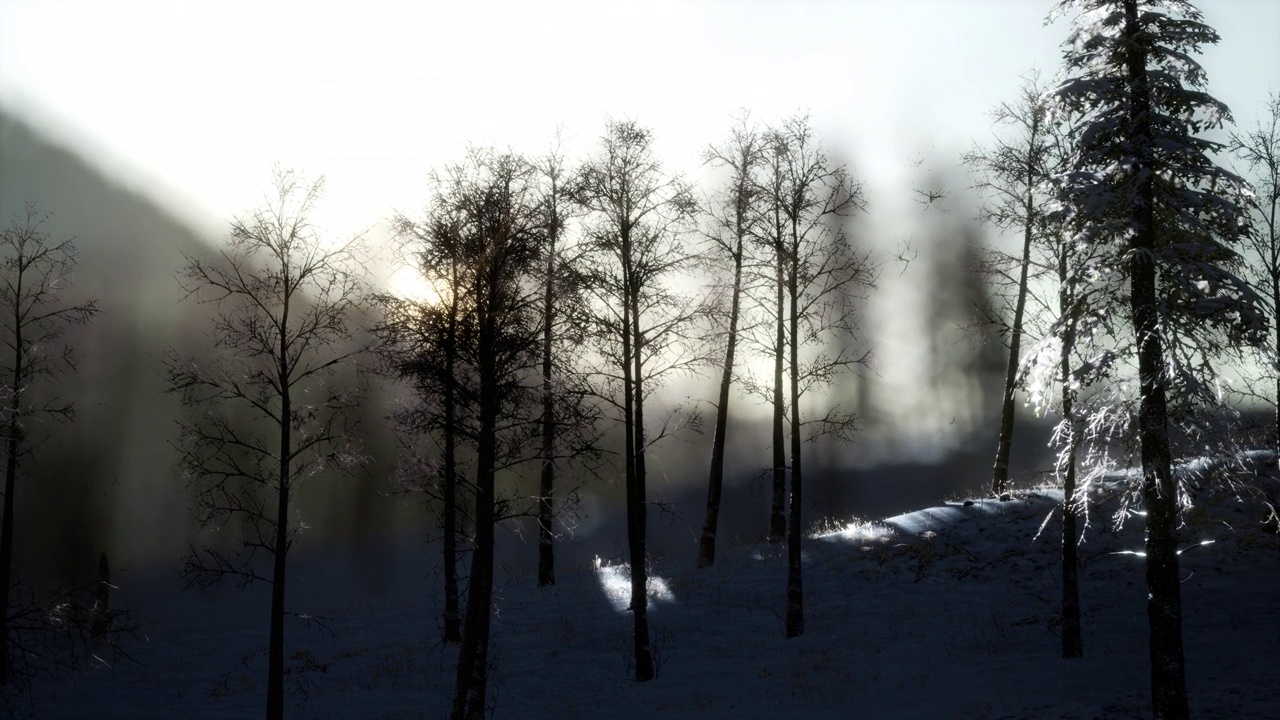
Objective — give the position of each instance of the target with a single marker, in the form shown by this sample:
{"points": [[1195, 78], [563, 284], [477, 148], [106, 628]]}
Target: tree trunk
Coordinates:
{"points": [[14, 432], [777, 516], [795, 586], [715, 483], [1159, 488], [645, 670], [473, 658], [1274, 270], [452, 613], [1000, 474], [275, 651], [546, 484], [1072, 644], [1159, 492], [1275, 303], [102, 599]]}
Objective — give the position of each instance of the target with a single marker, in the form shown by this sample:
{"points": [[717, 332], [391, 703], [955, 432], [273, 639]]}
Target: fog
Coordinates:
{"points": [[108, 481]]}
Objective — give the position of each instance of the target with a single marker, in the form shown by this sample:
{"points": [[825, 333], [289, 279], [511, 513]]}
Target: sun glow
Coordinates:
{"points": [[409, 284]]}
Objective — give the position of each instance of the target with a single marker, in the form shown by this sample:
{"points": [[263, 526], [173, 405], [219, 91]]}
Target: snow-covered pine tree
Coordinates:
{"points": [[1142, 183]]}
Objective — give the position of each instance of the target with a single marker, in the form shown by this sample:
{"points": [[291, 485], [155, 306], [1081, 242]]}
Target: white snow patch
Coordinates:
{"points": [[615, 580]]}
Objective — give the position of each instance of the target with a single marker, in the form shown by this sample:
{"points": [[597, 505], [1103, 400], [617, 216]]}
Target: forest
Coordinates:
{"points": [[578, 424]]}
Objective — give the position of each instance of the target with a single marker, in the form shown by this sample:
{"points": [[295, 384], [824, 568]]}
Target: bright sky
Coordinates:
{"points": [[202, 97], [192, 102]]}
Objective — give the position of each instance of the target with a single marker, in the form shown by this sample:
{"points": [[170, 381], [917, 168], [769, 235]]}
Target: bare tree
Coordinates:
{"points": [[731, 228], [636, 214], [823, 275], [475, 345], [1012, 179], [474, 353], [419, 340], [269, 412], [499, 238], [1073, 348], [1015, 177], [568, 418], [773, 235], [34, 315], [1259, 149]]}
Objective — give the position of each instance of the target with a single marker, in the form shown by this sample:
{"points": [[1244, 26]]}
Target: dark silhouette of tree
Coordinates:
{"points": [[568, 418], [1011, 177], [773, 189], [823, 275], [34, 315], [475, 353], [553, 172], [486, 233], [419, 341], [269, 413], [731, 228], [1259, 149], [1141, 185], [635, 216], [501, 241]]}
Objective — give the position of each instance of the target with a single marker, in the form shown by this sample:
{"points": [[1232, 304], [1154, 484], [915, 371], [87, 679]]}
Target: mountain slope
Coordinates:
{"points": [[93, 479]]}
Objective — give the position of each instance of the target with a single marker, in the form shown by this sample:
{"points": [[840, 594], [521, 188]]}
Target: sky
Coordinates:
{"points": [[191, 103], [194, 101]]}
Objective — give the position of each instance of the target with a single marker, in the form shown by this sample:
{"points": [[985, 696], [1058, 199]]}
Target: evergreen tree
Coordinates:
{"points": [[1142, 184]]}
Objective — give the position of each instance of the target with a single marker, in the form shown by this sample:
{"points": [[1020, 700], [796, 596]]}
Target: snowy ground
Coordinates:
{"points": [[948, 612]]}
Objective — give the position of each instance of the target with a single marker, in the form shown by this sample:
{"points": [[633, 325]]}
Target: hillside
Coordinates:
{"points": [[947, 612]]}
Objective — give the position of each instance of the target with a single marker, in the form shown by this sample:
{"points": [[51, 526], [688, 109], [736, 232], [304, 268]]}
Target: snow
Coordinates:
{"points": [[615, 582], [950, 611]]}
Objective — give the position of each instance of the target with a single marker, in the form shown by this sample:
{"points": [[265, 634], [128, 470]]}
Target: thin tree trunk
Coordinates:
{"points": [[1159, 489], [452, 613], [546, 484], [715, 483], [777, 516], [1000, 474], [1072, 644], [14, 430], [795, 585], [1275, 303], [1274, 270], [645, 670], [473, 658], [102, 599], [275, 651]]}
